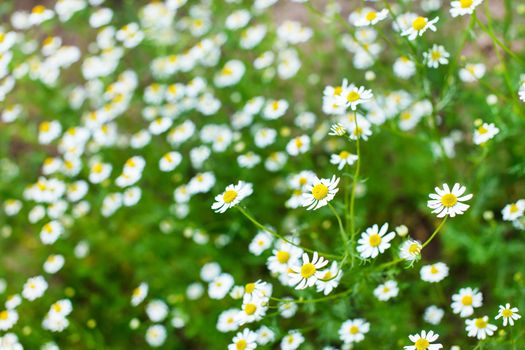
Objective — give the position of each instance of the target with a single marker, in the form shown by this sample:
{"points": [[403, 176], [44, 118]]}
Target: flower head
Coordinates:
{"points": [[423, 341], [320, 192], [306, 274], [449, 202], [232, 196]]}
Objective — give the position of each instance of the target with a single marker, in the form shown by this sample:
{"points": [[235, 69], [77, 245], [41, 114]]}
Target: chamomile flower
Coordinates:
{"points": [[485, 132], [480, 327], [434, 273], [419, 26], [513, 211], [374, 241], [337, 129], [292, 340], [423, 341], [156, 335], [449, 202], [8, 319], [509, 314], [298, 145], [436, 56], [370, 17], [342, 159], [353, 331], [320, 192], [306, 274], [232, 196], [410, 250], [139, 294], [34, 288], [351, 96], [330, 279], [433, 314], [463, 7], [262, 241], [464, 302], [386, 291], [472, 72], [253, 309], [245, 340], [404, 67]]}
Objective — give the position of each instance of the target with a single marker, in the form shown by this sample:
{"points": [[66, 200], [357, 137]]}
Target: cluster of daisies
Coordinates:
{"points": [[178, 111]]}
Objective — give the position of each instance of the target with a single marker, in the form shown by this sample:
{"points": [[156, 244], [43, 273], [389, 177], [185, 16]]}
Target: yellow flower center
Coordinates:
{"points": [[419, 23], [249, 288], [414, 248], [229, 196], [436, 55], [480, 323], [422, 344], [298, 142], [344, 155], [354, 330], [57, 307], [353, 96], [283, 256], [465, 3], [308, 270], [275, 105], [97, 168], [227, 71], [449, 200], [433, 270], [45, 126], [405, 116], [319, 191], [374, 240], [250, 309], [482, 130], [4, 315], [338, 90], [514, 208], [507, 313], [466, 300], [241, 344], [38, 9], [370, 16]]}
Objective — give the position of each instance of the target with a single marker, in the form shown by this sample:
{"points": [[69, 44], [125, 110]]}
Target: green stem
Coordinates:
{"points": [[435, 232], [278, 236], [344, 235], [352, 196]]}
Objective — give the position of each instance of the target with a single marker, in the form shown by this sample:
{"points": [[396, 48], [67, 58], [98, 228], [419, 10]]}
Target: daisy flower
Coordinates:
{"points": [[463, 7], [480, 327], [244, 340], [436, 56], [330, 279], [433, 314], [370, 17], [353, 331], [342, 159], [449, 202], [485, 132], [292, 340], [464, 302], [509, 314], [308, 273], [513, 211], [410, 250], [374, 241], [232, 196], [472, 72], [434, 273], [386, 291], [320, 192], [419, 26], [423, 341], [351, 96]]}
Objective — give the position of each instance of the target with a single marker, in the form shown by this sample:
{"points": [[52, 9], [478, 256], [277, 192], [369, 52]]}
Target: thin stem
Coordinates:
{"points": [[344, 235], [354, 186], [316, 300], [278, 236], [435, 232], [498, 42]]}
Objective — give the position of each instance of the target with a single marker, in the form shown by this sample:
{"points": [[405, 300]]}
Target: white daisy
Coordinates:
{"points": [[410, 250], [509, 314], [353, 331], [480, 327], [374, 241], [423, 341], [342, 159], [434, 273], [232, 196], [463, 7], [464, 302], [485, 132], [320, 192], [436, 56], [386, 291], [306, 274], [449, 202], [419, 26]]}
